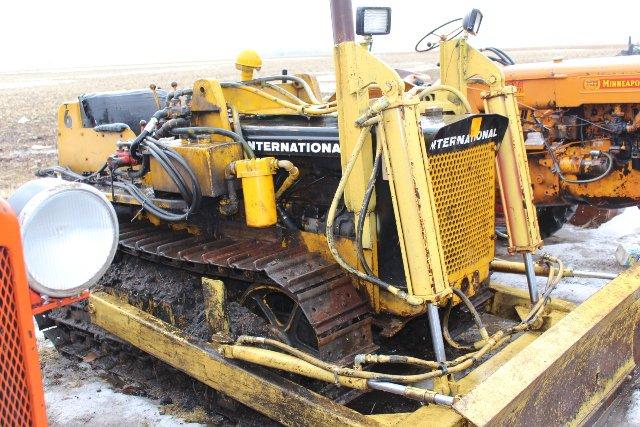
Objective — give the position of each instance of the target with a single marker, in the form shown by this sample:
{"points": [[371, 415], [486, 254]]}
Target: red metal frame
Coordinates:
{"points": [[40, 305]]}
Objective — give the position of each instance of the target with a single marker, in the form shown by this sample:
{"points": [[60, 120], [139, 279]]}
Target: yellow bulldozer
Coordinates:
{"points": [[339, 225]]}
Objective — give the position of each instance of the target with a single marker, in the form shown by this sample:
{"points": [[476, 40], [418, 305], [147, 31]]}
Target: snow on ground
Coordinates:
{"points": [[584, 249], [78, 395]]}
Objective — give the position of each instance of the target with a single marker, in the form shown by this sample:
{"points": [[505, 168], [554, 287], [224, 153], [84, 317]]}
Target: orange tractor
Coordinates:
{"points": [[581, 120], [581, 123]]}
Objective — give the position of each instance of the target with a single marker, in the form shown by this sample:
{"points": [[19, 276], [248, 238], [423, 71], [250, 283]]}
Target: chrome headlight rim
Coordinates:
{"points": [[36, 205]]}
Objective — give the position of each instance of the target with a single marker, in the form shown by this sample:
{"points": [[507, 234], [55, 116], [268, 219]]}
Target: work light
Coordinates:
{"points": [[69, 235], [372, 21], [471, 22]]}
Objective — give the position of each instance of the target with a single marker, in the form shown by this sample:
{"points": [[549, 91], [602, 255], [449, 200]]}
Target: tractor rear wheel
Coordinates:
{"points": [[552, 218]]}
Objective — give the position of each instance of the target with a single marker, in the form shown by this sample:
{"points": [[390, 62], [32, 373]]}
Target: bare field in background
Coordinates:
{"points": [[29, 100]]}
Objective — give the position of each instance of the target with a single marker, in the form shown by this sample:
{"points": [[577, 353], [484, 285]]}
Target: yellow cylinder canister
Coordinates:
{"points": [[258, 190]]}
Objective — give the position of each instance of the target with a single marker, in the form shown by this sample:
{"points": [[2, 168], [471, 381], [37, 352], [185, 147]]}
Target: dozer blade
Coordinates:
{"points": [[571, 371], [566, 374], [276, 397]]}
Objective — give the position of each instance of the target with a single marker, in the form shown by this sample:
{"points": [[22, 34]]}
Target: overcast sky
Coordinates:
{"points": [[73, 33]]}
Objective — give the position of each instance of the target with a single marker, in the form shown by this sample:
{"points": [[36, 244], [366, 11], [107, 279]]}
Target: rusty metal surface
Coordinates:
{"points": [[338, 314], [342, 20], [592, 217]]}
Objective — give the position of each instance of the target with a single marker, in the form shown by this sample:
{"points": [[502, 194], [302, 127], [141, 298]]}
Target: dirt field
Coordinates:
{"points": [[29, 100]]}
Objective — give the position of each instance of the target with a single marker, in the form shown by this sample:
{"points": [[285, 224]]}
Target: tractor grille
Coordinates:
{"points": [[464, 188], [15, 402]]}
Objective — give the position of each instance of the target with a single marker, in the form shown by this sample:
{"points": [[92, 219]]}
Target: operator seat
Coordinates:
{"points": [[126, 107]]}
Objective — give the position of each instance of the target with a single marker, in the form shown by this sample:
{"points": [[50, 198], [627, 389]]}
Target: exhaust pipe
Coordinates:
{"points": [[342, 21]]}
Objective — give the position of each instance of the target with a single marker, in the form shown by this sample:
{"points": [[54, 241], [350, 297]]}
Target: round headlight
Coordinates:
{"points": [[69, 235]]}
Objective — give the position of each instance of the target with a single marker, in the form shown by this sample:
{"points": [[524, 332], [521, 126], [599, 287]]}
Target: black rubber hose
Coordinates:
{"points": [[129, 187], [135, 145], [467, 302], [506, 59], [504, 56], [195, 185], [197, 190], [286, 220], [173, 173], [144, 168], [497, 59], [165, 129], [69, 173], [147, 203], [363, 211], [194, 193], [164, 156], [445, 330], [476, 318], [176, 94]]}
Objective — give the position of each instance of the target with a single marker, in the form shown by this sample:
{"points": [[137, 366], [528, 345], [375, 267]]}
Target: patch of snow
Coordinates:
{"points": [[633, 413], [93, 402], [76, 394], [582, 249]]}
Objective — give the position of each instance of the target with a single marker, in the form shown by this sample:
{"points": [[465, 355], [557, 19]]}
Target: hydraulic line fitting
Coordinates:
{"points": [[258, 190]]}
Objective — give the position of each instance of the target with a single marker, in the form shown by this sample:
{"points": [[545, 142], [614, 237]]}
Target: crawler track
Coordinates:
{"points": [[323, 314]]}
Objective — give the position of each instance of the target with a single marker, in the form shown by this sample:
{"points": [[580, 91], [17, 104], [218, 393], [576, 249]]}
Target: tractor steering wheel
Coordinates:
{"points": [[448, 32]]}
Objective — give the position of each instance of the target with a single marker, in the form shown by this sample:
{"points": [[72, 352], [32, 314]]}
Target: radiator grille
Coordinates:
{"points": [[464, 187], [15, 402]]}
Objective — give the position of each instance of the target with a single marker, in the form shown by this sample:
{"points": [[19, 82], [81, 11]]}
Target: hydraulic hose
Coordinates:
{"points": [[196, 191], [134, 191], [363, 211], [506, 59], [446, 88], [237, 128], [163, 159], [69, 173], [282, 91], [437, 369], [208, 130], [476, 317], [309, 109], [135, 174], [293, 172], [339, 370], [147, 131], [556, 163], [587, 181], [190, 191], [176, 94], [410, 299], [165, 129], [305, 86]]}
